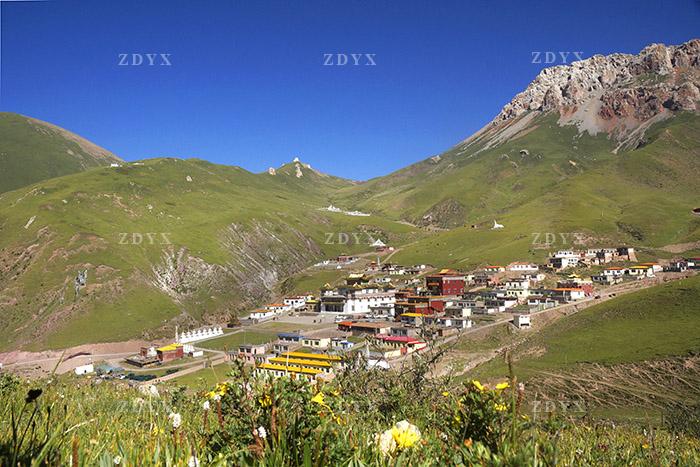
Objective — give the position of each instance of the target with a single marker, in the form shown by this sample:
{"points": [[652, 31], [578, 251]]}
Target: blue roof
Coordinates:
{"points": [[290, 335]]}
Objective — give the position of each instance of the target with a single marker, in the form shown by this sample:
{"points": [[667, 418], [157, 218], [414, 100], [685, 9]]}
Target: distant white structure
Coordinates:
{"points": [[296, 159], [189, 349], [378, 244], [198, 334], [84, 369], [496, 225], [113, 164], [522, 321], [332, 208], [373, 364]]}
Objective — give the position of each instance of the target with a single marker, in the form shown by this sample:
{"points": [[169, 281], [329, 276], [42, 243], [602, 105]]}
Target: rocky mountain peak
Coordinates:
{"points": [[615, 93]]}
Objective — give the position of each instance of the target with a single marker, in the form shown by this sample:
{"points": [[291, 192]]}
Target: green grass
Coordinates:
{"points": [[641, 197], [112, 321], [204, 378], [263, 226], [278, 326], [32, 150], [311, 282], [658, 322], [231, 342]]}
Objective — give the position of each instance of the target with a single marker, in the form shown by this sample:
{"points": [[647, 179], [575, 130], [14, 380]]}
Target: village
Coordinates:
{"points": [[381, 313]]}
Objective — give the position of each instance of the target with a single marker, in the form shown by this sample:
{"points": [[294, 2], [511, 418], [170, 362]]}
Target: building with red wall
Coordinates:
{"points": [[446, 282]]}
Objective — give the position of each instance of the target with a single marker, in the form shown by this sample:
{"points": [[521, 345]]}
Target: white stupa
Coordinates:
{"points": [[378, 244]]}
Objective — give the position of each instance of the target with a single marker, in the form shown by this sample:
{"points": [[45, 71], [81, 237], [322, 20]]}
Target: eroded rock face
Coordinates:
{"points": [[618, 91], [261, 254]]}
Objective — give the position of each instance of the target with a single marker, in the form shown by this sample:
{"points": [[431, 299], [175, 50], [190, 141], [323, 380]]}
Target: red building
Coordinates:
{"points": [[435, 304], [446, 282], [170, 352], [412, 307]]}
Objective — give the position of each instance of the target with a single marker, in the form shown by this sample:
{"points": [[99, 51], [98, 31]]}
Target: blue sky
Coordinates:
{"points": [[247, 83]]}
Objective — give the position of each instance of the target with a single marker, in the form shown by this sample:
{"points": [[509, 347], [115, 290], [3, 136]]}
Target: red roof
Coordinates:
{"points": [[403, 339]]}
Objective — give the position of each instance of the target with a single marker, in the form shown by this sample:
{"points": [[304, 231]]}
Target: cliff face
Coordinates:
{"points": [[616, 94]]}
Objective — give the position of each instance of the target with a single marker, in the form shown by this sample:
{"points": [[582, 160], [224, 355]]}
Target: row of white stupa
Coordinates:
{"points": [[198, 334], [332, 208]]}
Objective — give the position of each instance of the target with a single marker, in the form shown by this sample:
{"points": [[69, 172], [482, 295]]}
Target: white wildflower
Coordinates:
{"points": [[205, 405], [175, 419], [117, 460], [261, 432], [193, 462], [386, 442], [149, 390]]}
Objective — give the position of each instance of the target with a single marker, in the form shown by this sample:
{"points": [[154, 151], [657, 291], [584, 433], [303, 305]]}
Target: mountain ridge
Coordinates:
{"points": [[32, 150]]}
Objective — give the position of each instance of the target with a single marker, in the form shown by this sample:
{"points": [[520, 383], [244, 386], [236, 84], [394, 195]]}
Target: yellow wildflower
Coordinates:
{"points": [[319, 399], [445, 393], [478, 385], [645, 446], [502, 386], [500, 407], [265, 400], [405, 434]]}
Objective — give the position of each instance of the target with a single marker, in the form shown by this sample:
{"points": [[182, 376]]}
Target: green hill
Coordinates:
{"points": [[549, 180], [165, 242], [638, 350], [32, 150]]}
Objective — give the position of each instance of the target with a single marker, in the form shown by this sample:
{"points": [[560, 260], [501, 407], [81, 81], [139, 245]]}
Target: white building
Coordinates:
{"points": [[356, 299], [84, 369], [523, 267], [518, 283], [614, 271], [295, 301], [262, 314], [521, 321], [316, 342]]}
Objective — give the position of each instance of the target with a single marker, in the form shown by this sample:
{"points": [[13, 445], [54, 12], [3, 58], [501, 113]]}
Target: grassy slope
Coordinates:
{"points": [[31, 150], [647, 193], [658, 322], [78, 223], [231, 342]]}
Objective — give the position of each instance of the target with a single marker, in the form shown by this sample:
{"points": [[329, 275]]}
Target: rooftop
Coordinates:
{"points": [[291, 369], [169, 347], [300, 362], [312, 356]]}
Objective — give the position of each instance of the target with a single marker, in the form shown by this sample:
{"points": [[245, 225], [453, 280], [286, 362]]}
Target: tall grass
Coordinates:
{"points": [[360, 418]]}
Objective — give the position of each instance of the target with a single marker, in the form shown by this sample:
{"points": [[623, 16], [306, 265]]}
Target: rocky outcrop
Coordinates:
{"points": [[448, 213], [262, 254], [613, 94]]}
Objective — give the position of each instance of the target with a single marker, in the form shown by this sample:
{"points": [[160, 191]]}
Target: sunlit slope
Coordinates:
{"points": [[32, 150], [165, 242]]}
